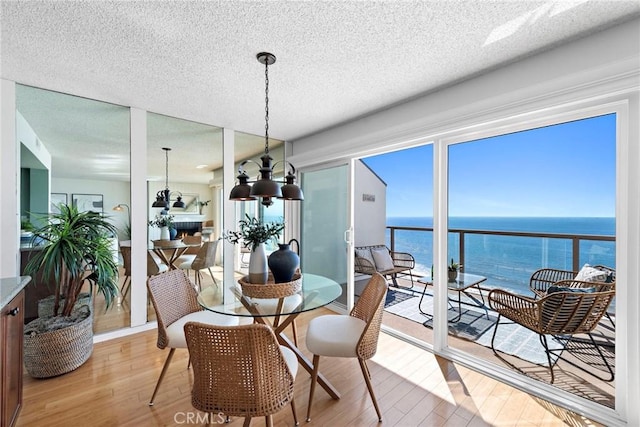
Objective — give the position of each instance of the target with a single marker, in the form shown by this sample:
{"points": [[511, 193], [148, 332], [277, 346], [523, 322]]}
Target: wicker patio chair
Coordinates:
{"points": [[240, 371], [392, 264], [174, 299], [544, 278], [354, 335], [560, 314]]}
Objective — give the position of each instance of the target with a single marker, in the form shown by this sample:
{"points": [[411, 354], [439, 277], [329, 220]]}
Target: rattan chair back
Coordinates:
{"points": [[237, 370], [173, 296], [569, 313], [369, 308], [541, 280]]}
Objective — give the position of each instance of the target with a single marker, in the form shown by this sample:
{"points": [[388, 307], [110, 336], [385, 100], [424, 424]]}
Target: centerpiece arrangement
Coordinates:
{"points": [[253, 235], [165, 224]]}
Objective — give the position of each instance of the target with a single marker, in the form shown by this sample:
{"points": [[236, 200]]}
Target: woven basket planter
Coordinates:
{"points": [[271, 289], [56, 352], [45, 305]]}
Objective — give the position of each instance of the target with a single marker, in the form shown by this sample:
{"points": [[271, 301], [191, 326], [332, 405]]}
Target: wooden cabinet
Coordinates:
{"points": [[11, 331]]}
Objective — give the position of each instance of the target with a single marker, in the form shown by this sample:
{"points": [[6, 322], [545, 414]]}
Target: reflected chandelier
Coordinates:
{"points": [[162, 196], [266, 187]]}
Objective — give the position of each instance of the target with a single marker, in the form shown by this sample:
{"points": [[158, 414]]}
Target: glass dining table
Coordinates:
{"points": [[278, 313]]}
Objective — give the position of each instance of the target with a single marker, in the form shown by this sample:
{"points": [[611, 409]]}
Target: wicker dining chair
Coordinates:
{"points": [[153, 267], [240, 371], [561, 314], [205, 258], [174, 299], [354, 335]]}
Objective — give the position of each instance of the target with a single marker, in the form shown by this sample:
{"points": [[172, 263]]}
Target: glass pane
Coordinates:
{"points": [[407, 213], [80, 149], [525, 216], [192, 172], [323, 224]]}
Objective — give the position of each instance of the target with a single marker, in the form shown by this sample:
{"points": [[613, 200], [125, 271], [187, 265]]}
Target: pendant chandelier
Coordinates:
{"points": [[265, 187], [163, 196]]}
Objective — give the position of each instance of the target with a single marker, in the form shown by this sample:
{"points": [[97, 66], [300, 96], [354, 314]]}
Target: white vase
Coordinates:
{"points": [[164, 233], [258, 269]]}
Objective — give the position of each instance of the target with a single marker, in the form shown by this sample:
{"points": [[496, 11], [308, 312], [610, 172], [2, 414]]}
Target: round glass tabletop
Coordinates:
{"points": [[317, 291]]}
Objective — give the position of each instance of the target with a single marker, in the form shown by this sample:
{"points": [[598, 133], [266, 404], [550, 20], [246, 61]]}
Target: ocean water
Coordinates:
{"points": [[509, 261]]}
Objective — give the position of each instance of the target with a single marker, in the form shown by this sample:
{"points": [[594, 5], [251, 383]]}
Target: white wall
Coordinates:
{"points": [[26, 135], [370, 217], [113, 193], [10, 184]]}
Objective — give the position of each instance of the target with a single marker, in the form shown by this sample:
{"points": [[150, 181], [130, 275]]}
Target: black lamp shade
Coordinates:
{"points": [[179, 203], [241, 192], [291, 192], [161, 200], [266, 188]]}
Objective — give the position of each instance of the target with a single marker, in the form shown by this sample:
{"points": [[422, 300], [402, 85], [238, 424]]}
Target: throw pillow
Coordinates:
{"points": [[383, 259], [592, 274], [366, 254]]}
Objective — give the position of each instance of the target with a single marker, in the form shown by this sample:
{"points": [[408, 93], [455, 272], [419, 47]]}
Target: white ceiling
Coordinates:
{"points": [[336, 60]]}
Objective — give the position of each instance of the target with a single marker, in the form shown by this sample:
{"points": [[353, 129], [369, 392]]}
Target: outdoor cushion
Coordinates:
{"points": [[382, 258], [366, 254], [553, 289], [592, 274]]}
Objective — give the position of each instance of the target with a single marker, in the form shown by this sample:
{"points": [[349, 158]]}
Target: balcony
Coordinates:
{"points": [[507, 260]]}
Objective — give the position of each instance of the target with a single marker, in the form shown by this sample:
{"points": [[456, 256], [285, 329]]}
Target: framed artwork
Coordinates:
{"points": [[87, 202], [56, 199]]}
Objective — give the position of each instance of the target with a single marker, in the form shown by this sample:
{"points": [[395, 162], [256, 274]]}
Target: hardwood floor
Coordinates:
{"points": [[414, 388]]}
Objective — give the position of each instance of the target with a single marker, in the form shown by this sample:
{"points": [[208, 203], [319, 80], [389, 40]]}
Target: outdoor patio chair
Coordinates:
{"points": [[587, 277], [379, 259], [561, 313], [598, 277]]}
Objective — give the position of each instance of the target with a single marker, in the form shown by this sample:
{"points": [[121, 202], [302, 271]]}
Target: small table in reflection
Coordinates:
{"points": [[317, 291], [170, 250], [461, 285]]}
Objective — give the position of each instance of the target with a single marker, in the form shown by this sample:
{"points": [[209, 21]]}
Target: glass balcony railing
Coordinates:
{"points": [[506, 258]]}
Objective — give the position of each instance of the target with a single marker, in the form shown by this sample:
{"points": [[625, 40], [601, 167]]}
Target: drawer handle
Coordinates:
{"points": [[14, 311]]}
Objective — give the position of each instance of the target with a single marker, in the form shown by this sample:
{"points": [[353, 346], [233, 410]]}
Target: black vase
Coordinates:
{"points": [[283, 263]]}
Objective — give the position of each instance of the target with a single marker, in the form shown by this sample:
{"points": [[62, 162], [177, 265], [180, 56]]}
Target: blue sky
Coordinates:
{"points": [[565, 170]]}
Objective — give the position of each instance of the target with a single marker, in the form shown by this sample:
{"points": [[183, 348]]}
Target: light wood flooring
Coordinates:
{"points": [[414, 388]]}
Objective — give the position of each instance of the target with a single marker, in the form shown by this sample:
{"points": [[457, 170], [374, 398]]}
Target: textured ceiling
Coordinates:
{"points": [[336, 60]]}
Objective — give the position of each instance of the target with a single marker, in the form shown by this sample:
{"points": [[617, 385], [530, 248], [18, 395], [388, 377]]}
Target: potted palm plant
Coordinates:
{"points": [[452, 270], [75, 252]]}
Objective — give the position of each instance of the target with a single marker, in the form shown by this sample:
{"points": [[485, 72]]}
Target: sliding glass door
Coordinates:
{"points": [[324, 225]]}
